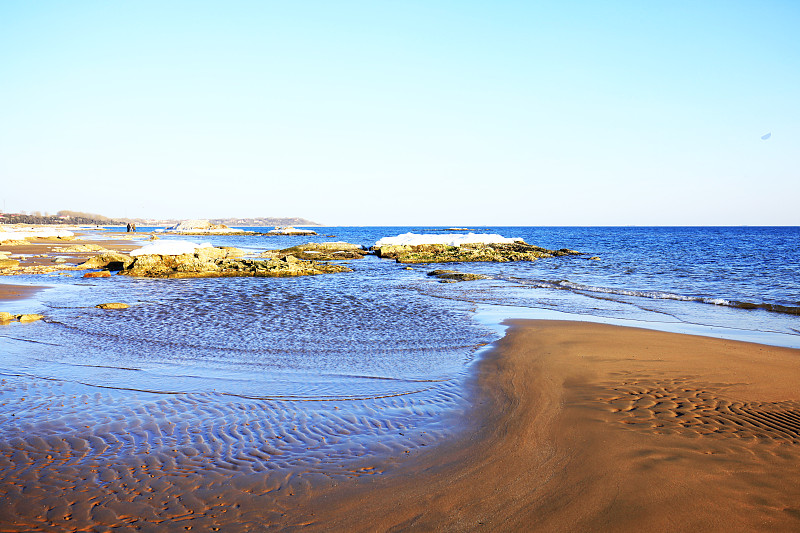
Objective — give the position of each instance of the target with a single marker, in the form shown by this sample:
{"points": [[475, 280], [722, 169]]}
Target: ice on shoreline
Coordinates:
{"points": [[169, 248], [42, 233], [451, 239]]}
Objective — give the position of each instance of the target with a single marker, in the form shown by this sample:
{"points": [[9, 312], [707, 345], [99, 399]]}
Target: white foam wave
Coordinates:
{"points": [[453, 239], [655, 295]]}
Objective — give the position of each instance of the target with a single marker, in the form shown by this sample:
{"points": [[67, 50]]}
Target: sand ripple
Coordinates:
{"points": [[74, 457], [679, 406]]}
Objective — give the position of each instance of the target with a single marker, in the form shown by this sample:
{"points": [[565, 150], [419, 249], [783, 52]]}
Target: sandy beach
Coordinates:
{"points": [[42, 251], [589, 427], [575, 427]]}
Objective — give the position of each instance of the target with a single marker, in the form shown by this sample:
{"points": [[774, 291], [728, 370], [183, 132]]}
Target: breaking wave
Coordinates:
{"points": [[657, 295]]}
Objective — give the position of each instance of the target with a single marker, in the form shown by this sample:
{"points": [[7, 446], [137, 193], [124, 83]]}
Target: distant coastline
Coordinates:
{"points": [[74, 217]]}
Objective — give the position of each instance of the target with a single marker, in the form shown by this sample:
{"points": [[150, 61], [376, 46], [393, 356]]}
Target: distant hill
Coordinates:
{"points": [[63, 217], [231, 222], [265, 221], [77, 217]]}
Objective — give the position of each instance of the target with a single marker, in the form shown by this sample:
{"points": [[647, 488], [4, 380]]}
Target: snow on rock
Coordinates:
{"points": [[169, 248], [453, 239]]}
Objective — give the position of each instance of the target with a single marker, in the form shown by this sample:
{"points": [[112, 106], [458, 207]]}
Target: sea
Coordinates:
{"points": [[336, 375]]}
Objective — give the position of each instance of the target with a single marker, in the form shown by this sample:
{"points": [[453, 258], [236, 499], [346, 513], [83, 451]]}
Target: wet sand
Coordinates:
{"points": [[42, 252], [589, 427], [10, 292], [576, 427]]}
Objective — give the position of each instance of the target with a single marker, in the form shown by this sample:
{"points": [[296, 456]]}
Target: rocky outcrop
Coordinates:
{"points": [[8, 263], [186, 266], [190, 225], [202, 227], [442, 253], [454, 275], [289, 230], [205, 227], [323, 251], [209, 262], [108, 260]]}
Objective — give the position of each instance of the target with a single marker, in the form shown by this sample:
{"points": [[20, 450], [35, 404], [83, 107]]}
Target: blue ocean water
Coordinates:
{"points": [[386, 322], [693, 275], [357, 365]]}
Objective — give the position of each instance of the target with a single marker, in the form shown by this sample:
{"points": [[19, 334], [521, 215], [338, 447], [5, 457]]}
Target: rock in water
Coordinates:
{"points": [[454, 275], [101, 274], [323, 251], [29, 318], [289, 230], [443, 253], [202, 227], [223, 262], [112, 305]]}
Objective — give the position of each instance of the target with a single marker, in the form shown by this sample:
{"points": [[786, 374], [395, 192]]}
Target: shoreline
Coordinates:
{"points": [[585, 427], [574, 426]]}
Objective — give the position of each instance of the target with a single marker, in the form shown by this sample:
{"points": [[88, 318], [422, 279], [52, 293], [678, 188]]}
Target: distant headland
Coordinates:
{"points": [[77, 217]]}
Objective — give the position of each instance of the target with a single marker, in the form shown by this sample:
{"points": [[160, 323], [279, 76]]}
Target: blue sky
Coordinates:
{"points": [[404, 112]]}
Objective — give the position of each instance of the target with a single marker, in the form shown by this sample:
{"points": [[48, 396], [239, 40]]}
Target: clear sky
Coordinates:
{"points": [[404, 112]]}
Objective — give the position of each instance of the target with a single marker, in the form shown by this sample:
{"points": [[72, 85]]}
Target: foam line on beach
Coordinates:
{"points": [[655, 295]]}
